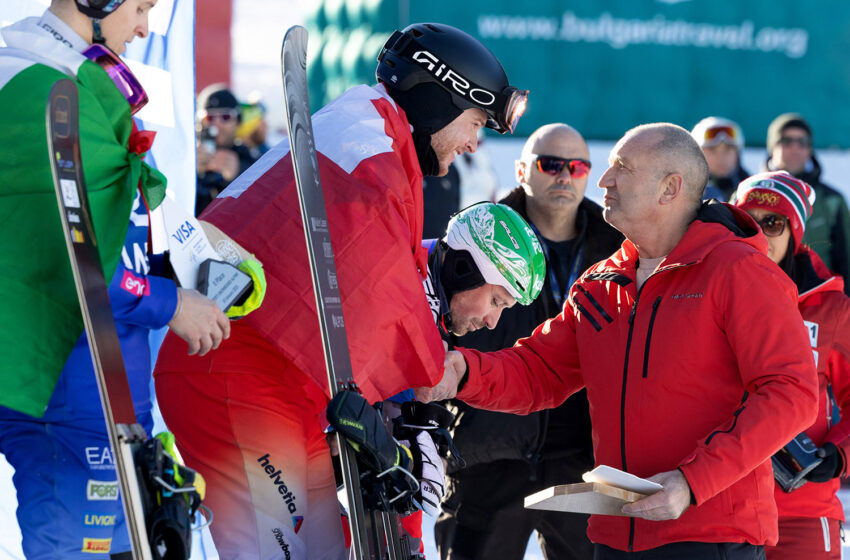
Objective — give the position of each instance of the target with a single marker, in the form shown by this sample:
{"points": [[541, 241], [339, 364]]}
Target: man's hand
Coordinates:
{"points": [[668, 503], [454, 368], [199, 322]]}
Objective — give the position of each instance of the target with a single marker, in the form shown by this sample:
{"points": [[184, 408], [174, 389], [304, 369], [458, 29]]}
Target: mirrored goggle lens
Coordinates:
{"points": [[515, 109], [718, 134], [120, 75], [551, 165]]}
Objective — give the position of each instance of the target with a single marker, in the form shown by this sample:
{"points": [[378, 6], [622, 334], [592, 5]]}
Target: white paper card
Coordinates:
{"points": [[621, 479]]}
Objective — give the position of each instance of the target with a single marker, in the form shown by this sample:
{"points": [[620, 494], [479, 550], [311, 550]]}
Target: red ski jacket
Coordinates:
{"points": [[372, 186], [826, 313], [707, 369]]}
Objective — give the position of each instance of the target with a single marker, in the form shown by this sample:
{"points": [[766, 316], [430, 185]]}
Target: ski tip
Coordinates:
{"points": [[296, 32]]}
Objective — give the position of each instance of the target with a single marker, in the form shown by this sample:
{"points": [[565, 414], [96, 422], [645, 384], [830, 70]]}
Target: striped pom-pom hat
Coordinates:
{"points": [[779, 192]]}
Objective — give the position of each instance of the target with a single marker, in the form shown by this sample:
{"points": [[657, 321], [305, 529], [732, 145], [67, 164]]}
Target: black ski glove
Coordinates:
{"points": [[386, 467], [830, 467]]}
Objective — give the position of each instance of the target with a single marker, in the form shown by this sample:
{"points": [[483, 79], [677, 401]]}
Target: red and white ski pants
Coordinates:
{"points": [[248, 421]]}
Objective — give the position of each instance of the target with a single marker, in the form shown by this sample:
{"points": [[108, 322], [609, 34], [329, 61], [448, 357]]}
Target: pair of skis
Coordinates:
{"points": [[374, 535]]}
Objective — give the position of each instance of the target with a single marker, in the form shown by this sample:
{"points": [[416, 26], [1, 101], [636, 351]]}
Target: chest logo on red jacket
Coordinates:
{"points": [[689, 295]]}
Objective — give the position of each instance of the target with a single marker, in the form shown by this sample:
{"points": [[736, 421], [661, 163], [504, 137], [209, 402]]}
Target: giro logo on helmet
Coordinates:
{"points": [[458, 82]]}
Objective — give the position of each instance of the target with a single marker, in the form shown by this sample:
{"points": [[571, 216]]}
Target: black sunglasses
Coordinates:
{"points": [[553, 165], [772, 225]]}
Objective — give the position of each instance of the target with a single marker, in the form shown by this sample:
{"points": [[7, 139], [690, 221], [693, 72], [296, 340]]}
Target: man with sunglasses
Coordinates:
{"points": [[790, 148], [221, 155], [266, 390], [483, 514], [696, 362], [721, 141], [55, 439]]}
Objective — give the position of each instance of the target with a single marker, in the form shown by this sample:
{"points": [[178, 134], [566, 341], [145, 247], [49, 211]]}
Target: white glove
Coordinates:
{"points": [[431, 474]]}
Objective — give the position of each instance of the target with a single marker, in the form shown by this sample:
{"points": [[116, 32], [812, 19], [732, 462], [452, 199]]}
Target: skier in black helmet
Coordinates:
{"points": [[267, 387], [55, 439]]}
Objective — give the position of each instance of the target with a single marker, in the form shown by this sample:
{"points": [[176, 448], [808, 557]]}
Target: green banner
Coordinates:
{"points": [[607, 65]]}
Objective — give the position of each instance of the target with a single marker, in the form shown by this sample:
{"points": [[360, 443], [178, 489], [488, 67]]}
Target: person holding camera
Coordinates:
{"points": [[221, 155]]}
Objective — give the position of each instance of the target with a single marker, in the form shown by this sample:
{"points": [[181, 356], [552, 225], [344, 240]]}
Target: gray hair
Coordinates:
{"points": [[680, 153]]}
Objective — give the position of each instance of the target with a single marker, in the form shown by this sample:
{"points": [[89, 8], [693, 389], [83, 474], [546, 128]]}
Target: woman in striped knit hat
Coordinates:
{"points": [[809, 517]]}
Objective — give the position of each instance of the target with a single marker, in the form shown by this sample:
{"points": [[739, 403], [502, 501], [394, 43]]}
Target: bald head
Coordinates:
{"points": [[675, 151], [542, 140]]}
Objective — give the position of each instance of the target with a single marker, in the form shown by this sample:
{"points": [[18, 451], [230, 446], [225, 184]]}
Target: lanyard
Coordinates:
{"points": [[554, 286]]}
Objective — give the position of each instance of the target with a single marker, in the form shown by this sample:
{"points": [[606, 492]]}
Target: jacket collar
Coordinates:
{"points": [[716, 223]]}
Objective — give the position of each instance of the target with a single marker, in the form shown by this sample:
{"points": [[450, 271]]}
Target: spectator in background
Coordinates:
{"points": [[810, 517], [721, 141], [221, 156], [483, 514], [253, 129], [789, 147]]}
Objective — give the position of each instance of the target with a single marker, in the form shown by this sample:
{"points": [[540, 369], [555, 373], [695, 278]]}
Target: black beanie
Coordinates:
{"points": [[780, 123]]}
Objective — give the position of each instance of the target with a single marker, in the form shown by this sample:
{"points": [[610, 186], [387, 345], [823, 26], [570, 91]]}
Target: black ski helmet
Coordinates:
{"points": [[435, 53], [98, 9]]}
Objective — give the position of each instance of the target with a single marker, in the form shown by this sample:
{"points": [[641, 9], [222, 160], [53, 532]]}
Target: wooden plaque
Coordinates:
{"points": [[584, 497]]}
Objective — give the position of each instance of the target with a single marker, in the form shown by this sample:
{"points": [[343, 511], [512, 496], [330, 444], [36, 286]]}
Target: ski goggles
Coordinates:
{"points": [[120, 74], [514, 103], [772, 225], [719, 134], [553, 165]]}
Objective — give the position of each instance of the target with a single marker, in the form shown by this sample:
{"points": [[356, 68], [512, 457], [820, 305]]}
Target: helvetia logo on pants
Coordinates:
{"points": [[274, 474]]}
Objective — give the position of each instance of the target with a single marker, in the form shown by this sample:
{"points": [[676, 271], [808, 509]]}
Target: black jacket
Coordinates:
{"points": [[483, 436]]}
